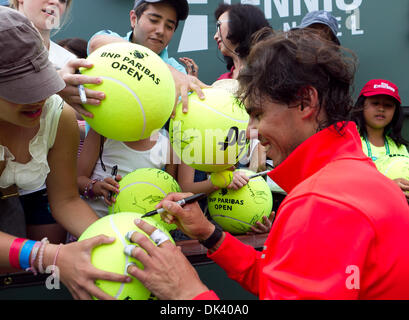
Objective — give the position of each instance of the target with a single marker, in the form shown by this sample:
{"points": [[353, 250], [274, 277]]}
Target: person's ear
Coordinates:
{"points": [[309, 101], [133, 18]]}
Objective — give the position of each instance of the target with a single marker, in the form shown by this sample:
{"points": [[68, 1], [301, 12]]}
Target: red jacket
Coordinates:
{"points": [[342, 232]]}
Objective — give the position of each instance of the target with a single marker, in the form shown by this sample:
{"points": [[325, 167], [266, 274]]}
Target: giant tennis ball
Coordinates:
{"points": [[211, 136], [111, 257], [237, 210], [221, 179], [394, 166], [139, 90], [141, 190]]}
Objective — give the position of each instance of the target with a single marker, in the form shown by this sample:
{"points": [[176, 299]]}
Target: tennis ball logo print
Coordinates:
{"points": [[111, 257], [139, 90], [138, 54], [211, 137], [237, 210]]}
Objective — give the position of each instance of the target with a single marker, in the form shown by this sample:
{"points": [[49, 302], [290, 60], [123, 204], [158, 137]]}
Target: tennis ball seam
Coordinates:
{"points": [[218, 112], [135, 96], [235, 219], [118, 233]]}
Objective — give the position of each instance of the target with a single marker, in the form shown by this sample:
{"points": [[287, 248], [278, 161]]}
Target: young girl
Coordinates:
{"points": [[38, 144], [99, 155], [46, 16], [379, 117]]}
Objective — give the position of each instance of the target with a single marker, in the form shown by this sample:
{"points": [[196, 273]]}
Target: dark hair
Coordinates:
{"points": [[393, 129], [244, 20], [139, 10], [283, 64], [77, 46]]}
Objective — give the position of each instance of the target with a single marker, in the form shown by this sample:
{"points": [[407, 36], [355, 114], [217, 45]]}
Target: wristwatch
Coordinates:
{"points": [[214, 238]]}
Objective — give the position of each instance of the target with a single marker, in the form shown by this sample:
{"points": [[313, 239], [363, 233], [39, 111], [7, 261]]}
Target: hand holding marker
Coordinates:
{"points": [[194, 198], [181, 202]]}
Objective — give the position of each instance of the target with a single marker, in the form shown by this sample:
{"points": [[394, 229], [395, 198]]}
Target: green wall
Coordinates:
{"points": [[380, 38]]}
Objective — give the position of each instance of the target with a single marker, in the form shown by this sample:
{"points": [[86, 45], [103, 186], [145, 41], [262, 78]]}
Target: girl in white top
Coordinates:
{"points": [[95, 164], [46, 16], [39, 140]]}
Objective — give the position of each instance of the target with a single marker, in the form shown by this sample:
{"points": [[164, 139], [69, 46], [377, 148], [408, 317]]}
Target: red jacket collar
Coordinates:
{"points": [[316, 152]]}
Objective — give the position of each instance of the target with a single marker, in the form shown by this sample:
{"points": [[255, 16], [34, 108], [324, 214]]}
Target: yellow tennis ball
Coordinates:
{"points": [[237, 210], [394, 166], [221, 179], [211, 136], [141, 190], [139, 90], [111, 257]]}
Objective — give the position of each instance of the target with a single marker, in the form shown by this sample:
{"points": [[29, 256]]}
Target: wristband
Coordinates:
{"points": [[214, 238], [25, 252], [14, 252]]}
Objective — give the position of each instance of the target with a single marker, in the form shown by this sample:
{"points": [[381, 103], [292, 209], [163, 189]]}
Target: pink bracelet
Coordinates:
{"points": [[33, 258], [55, 259], [44, 242]]}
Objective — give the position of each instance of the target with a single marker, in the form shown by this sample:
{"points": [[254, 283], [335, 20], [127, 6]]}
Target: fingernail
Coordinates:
{"points": [[169, 206], [137, 221], [128, 249]]}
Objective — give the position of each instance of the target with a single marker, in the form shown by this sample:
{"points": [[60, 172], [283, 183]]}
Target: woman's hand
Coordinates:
{"points": [[72, 79], [183, 84], [190, 66], [77, 272]]}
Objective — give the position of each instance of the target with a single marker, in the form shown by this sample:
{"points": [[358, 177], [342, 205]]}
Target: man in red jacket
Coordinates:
{"points": [[342, 232]]}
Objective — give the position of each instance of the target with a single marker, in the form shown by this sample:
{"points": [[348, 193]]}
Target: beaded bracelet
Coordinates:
{"points": [[33, 258], [44, 242], [88, 192]]}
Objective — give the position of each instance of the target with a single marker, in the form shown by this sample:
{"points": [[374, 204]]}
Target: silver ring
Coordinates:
{"points": [[128, 249], [159, 237], [129, 235]]}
